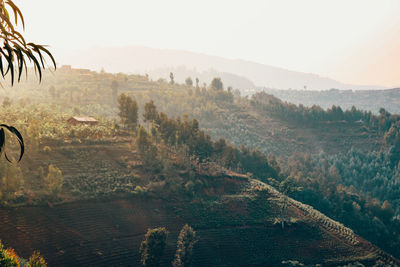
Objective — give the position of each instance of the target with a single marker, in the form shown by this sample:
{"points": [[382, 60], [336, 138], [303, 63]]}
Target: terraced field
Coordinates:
{"points": [[234, 230]]}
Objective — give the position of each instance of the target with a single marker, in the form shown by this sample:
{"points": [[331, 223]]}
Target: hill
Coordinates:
{"points": [[344, 160], [236, 217], [221, 114], [371, 100], [137, 59]]}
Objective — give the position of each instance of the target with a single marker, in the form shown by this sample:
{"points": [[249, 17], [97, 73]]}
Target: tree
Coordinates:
{"points": [[152, 247], [11, 180], [189, 81], [128, 110], [16, 51], [171, 78], [54, 180], [150, 112], [217, 84], [197, 82], [184, 252], [147, 150], [288, 186]]}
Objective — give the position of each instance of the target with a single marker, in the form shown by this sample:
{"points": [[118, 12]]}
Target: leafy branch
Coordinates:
{"points": [[16, 51]]}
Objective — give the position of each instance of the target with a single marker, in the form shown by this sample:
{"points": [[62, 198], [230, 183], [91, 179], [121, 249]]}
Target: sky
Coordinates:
{"points": [[353, 41]]}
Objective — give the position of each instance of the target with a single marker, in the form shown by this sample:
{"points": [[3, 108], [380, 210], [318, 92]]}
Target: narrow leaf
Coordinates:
{"points": [[14, 131], [2, 139]]}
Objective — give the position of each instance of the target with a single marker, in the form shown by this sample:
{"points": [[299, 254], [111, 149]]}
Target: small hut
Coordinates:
{"points": [[82, 120]]}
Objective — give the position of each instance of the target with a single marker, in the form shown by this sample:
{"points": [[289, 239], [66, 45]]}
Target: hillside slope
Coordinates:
{"points": [[372, 100], [237, 232], [235, 217]]}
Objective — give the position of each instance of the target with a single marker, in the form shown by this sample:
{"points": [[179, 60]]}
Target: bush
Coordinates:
{"points": [[36, 260], [152, 247], [184, 252], [8, 257], [54, 180], [10, 180]]}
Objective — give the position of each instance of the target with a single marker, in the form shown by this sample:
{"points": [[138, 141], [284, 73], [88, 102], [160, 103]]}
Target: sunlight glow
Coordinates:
{"points": [[352, 41]]}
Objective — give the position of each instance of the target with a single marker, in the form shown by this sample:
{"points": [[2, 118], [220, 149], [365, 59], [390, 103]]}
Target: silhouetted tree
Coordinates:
{"points": [[171, 78]]}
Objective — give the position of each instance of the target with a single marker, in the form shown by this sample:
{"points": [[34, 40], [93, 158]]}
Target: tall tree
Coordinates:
{"points": [[128, 111], [150, 112], [153, 245], [184, 253], [171, 78]]}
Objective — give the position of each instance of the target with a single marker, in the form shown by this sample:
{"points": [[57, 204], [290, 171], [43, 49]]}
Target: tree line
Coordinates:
{"points": [[184, 134]]}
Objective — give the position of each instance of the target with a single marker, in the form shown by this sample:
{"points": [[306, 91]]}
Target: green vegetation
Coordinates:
{"points": [[184, 252], [8, 258], [164, 140], [370, 100], [152, 248], [36, 260]]}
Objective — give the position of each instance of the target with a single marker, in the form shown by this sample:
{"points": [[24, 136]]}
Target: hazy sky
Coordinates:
{"points": [[354, 41]]}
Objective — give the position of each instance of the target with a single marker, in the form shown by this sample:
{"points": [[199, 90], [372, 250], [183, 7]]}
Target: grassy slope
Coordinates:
{"points": [[234, 218], [238, 122]]}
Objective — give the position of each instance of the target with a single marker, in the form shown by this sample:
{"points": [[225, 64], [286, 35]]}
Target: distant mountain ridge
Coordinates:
{"points": [[138, 59]]}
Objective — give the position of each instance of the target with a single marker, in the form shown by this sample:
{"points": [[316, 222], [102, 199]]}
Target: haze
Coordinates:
{"points": [[352, 41]]}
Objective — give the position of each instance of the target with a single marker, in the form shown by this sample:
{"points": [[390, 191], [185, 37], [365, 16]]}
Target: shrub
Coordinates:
{"points": [[10, 180], [36, 260], [54, 180], [8, 257], [184, 252], [152, 247]]}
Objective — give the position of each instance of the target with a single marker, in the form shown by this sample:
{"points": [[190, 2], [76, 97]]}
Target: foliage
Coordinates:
{"points": [[217, 84], [152, 247], [8, 257], [147, 150], [36, 260], [54, 180], [186, 241], [128, 111], [15, 49], [150, 112], [15, 132], [356, 188], [11, 180]]}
